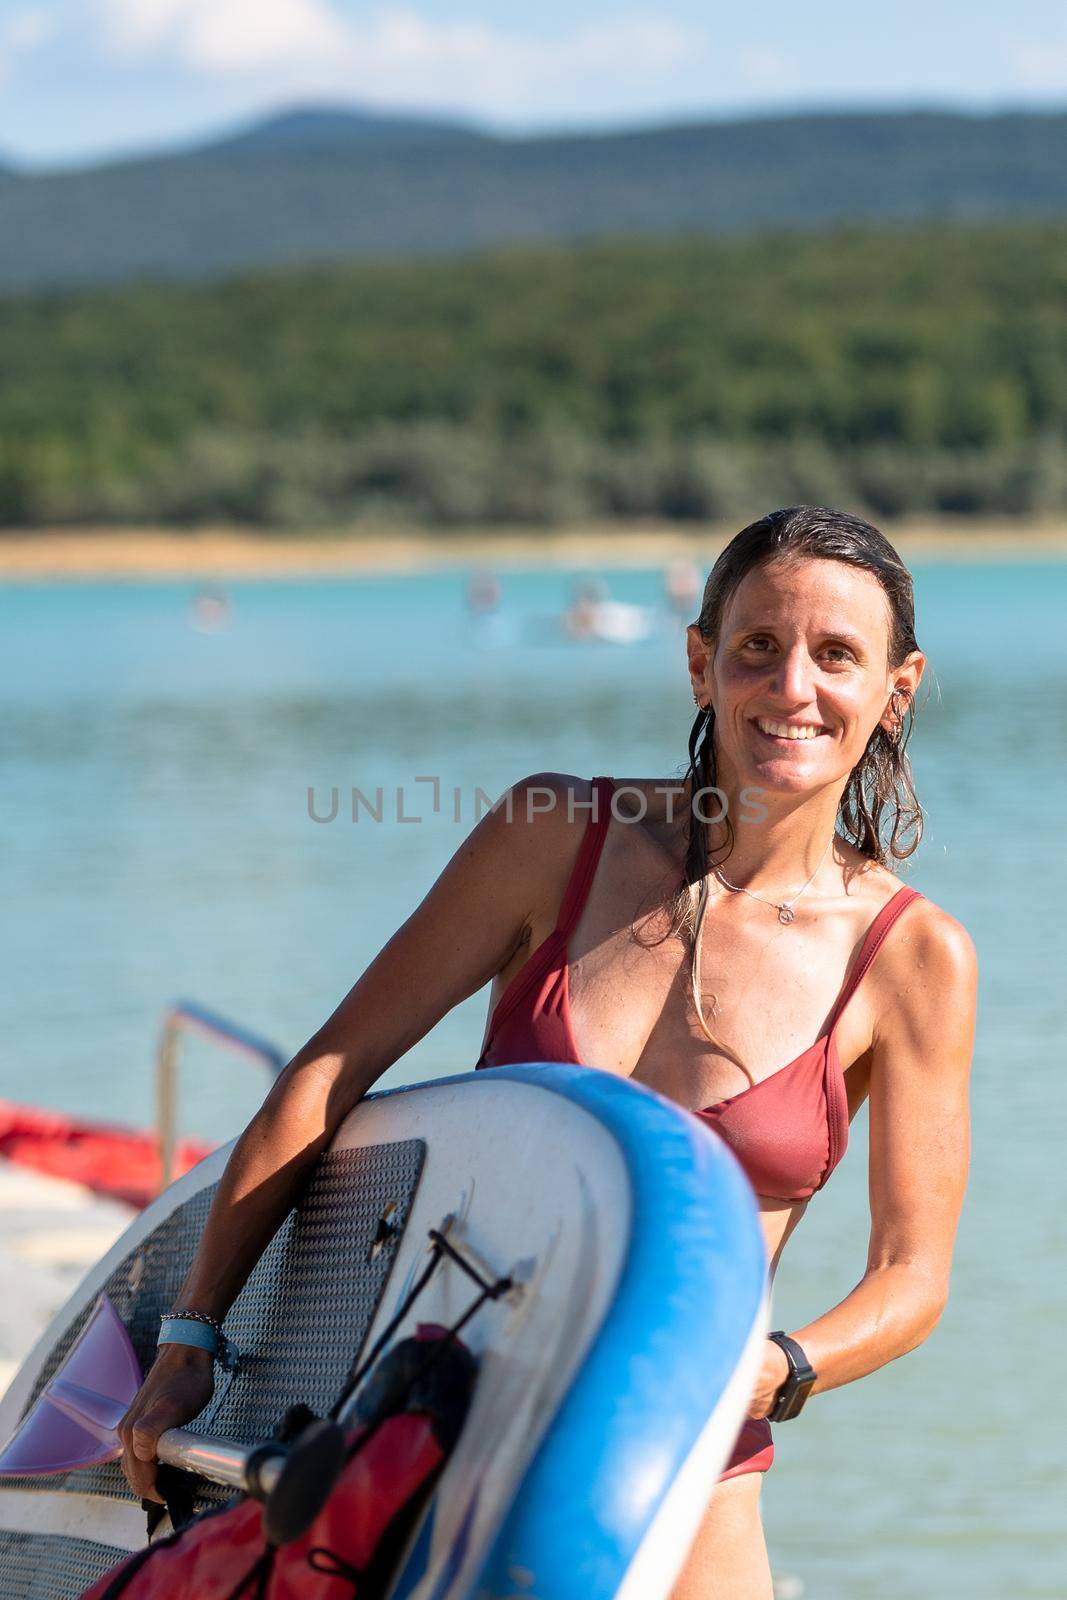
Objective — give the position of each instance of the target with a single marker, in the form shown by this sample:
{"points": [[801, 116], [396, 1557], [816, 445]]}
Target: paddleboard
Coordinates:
{"points": [[613, 1375]]}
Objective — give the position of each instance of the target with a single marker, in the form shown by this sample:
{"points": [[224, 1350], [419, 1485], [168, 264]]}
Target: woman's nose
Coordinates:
{"points": [[793, 680]]}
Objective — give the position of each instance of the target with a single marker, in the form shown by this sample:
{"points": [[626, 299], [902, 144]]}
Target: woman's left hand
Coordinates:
{"points": [[774, 1370]]}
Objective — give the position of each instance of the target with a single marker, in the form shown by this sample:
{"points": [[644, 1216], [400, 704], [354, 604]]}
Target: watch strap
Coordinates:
{"points": [[796, 1388]]}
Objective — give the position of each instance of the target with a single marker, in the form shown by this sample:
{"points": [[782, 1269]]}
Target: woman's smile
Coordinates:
{"points": [[780, 732]]}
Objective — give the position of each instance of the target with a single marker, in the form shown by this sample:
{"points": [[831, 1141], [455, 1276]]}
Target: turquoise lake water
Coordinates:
{"points": [[157, 842]]}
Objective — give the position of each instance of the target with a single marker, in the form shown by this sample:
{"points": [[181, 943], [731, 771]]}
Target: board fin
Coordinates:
{"points": [[74, 1421]]}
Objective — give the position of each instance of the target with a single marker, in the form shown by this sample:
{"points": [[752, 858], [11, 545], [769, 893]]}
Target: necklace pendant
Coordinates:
{"points": [[785, 914]]}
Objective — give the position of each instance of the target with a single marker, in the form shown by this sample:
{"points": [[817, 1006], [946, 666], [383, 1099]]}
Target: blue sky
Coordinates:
{"points": [[84, 78]]}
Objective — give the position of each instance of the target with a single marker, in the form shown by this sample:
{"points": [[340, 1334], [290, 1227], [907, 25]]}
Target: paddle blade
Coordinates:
{"points": [[73, 1422]]}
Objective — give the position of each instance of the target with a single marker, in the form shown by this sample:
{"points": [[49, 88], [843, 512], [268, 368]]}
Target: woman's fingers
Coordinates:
{"points": [[174, 1392], [139, 1451], [142, 1439]]}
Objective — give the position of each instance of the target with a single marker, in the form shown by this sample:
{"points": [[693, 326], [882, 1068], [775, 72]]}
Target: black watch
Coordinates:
{"points": [[789, 1401]]}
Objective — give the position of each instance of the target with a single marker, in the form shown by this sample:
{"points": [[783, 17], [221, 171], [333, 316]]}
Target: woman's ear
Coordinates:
{"points": [[699, 653], [905, 681]]}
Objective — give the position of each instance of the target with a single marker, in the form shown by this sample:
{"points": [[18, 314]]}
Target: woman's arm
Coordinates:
{"points": [[469, 925], [920, 1064]]}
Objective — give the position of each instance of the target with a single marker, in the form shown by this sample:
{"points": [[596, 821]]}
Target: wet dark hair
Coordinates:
{"points": [[879, 811]]}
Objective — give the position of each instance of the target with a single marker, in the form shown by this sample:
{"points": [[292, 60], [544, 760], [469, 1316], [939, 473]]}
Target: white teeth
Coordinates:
{"points": [[786, 730]]}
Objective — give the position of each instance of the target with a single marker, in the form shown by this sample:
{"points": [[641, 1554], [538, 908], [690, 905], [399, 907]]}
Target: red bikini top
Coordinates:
{"points": [[789, 1130]]}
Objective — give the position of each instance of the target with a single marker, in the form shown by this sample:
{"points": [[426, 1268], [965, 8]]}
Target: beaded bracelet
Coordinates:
{"points": [[194, 1316]]}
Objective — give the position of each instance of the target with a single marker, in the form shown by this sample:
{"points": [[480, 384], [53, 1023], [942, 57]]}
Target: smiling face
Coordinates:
{"points": [[799, 675]]}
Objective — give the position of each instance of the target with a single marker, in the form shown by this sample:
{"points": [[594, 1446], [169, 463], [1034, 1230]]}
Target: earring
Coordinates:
{"points": [[896, 732]]}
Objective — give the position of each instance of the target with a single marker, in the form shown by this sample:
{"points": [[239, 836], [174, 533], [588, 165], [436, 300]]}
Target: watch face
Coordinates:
{"points": [[795, 1392]]}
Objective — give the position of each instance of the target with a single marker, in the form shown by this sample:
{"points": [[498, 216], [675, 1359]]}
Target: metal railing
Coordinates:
{"points": [[185, 1016]]}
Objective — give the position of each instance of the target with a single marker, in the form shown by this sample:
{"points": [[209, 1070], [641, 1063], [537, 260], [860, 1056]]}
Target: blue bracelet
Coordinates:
{"points": [[184, 1330], [189, 1330]]}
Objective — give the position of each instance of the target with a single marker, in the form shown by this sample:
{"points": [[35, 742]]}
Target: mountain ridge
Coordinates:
{"points": [[328, 183], [313, 126]]}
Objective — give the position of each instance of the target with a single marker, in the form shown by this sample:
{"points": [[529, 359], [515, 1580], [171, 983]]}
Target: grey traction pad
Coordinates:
{"points": [[298, 1323], [34, 1567]]}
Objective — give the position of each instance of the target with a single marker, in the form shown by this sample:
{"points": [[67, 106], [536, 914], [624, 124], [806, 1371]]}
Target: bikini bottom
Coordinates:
{"points": [[754, 1450]]}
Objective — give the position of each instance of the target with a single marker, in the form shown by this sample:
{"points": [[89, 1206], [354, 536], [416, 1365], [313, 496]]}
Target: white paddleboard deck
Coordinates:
{"points": [[613, 1379]]}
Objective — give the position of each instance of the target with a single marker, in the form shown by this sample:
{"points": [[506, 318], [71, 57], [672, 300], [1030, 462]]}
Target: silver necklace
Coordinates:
{"points": [[784, 907]]}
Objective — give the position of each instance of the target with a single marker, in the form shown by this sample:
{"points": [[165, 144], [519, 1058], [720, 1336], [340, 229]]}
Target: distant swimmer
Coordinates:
{"points": [[490, 627], [579, 620], [681, 585], [482, 592], [210, 611]]}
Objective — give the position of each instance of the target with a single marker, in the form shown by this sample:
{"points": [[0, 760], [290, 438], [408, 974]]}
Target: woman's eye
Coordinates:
{"points": [[762, 644]]}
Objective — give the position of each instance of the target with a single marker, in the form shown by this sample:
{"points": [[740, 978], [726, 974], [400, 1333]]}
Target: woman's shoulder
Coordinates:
{"points": [[931, 961], [925, 1000], [938, 937], [545, 815], [540, 822], [927, 950], [549, 803], [560, 805]]}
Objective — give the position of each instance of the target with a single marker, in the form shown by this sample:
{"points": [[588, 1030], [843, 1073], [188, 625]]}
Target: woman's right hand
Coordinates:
{"points": [[176, 1390]]}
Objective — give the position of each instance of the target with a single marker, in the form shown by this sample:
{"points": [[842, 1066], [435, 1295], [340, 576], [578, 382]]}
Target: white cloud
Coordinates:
{"points": [[225, 36], [410, 55], [398, 55]]}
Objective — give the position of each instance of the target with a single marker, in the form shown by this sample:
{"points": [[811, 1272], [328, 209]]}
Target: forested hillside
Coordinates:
{"points": [[324, 186], [900, 370]]}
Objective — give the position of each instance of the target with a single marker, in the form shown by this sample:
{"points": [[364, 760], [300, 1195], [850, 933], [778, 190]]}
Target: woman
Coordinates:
{"points": [[694, 936]]}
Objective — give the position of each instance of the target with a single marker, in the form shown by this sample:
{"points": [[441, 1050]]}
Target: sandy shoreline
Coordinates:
{"points": [[216, 553]]}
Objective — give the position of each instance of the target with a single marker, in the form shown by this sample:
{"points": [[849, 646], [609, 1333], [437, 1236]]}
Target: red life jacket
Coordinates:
{"points": [[351, 1548]]}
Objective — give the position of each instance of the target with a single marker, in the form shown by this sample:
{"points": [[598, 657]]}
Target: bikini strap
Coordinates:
{"points": [[872, 943], [581, 878]]}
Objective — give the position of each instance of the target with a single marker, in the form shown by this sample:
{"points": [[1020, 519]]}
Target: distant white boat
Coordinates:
{"points": [[610, 621]]}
